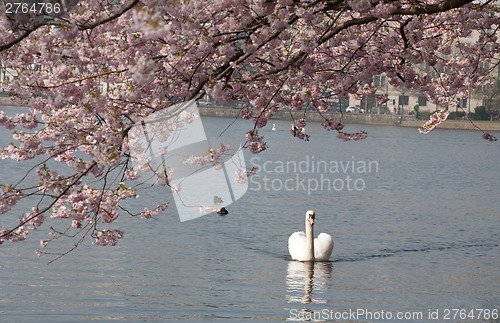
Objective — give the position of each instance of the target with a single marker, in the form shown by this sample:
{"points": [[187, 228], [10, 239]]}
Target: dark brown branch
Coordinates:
{"points": [[19, 39], [79, 80], [81, 27], [51, 204], [416, 10], [112, 17], [74, 246], [432, 9]]}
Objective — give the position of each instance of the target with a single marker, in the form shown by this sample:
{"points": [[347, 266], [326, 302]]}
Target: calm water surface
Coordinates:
{"points": [[418, 232]]}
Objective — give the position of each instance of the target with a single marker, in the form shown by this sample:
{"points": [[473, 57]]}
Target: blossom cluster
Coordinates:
{"points": [[213, 156], [256, 143], [33, 219], [298, 129], [329, 124], [208, 209], [241, 176], [27, 222], [352, 136], [435, 119], [25, 120], [93, 78], [146, 214], [19, 234], [261, 120], [9, 197], [108, 237], [489, 137]]}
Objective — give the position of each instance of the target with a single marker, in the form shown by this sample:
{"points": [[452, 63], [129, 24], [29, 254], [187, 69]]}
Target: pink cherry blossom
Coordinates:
{"points": [[33, 219], [10, 196], [108, 237], [175, 187], [213, 156], [330, 124], [256, 143], [77, 224], [146, 214], [357, 136], [298, 129], [489, 137], [360, 5], [94, 83], [241, 176], [435, 119], [207, 209]]}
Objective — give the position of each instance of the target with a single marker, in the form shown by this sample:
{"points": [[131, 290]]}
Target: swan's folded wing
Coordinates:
{"points": [[297, 245], [323, 246]]}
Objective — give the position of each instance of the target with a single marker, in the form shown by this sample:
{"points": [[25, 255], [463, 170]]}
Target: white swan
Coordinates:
{"points": [[274, 127], [303, 247]]}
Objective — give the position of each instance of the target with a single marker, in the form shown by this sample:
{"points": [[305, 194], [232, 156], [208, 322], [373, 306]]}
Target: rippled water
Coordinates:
{"points": [[420, 232]]}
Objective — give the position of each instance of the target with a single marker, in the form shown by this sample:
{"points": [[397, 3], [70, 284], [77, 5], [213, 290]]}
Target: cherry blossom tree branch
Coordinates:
{"points": [[147, 56], [20, 38], [112, 17], [56, 199], [429, 9], [59, 22], [78, 80]]}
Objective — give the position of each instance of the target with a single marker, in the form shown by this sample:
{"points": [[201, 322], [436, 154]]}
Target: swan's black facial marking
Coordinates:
{"points": [[311, 217]]}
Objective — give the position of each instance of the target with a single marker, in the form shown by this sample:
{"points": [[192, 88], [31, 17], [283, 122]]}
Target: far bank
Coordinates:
{"points": [[355, 118], [347, 118]]}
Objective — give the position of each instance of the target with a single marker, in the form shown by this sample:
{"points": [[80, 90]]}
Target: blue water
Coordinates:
{"points": [[418, 232]]}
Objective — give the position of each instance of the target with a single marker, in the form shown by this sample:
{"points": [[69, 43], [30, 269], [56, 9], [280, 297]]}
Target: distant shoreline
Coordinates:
{"points": [[357, 118], [347, 118]]}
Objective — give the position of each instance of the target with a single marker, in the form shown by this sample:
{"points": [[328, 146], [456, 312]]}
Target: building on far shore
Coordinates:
{"points": [[407, 99], [401, 100]]}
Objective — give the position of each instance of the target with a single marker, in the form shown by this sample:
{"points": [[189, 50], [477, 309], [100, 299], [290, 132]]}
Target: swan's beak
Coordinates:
{"points": [[311, 220]]}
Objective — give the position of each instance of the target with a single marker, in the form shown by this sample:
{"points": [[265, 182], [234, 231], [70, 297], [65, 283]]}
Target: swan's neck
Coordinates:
{"points": [[309, 256]]}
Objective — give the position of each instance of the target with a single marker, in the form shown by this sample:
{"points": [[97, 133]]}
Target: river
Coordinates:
{"points": [[414, 217]]}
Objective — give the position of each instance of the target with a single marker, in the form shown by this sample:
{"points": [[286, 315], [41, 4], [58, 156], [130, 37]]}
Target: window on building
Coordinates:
{"points": [[422, 101], [484, 65], [403, 100], [379, 80]]}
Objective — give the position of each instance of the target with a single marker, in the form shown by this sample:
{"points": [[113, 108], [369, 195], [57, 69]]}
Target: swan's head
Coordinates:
{"points": [[310, 216]]}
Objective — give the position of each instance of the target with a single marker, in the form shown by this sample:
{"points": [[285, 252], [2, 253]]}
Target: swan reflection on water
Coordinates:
{"points": [[306, 281]]}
